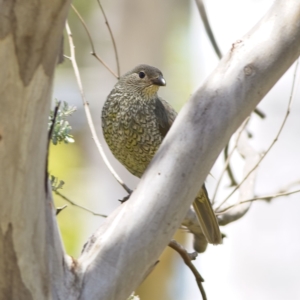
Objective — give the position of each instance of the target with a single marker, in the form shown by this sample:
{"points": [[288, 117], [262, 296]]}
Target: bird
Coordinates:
{"points": [[135, 120]]}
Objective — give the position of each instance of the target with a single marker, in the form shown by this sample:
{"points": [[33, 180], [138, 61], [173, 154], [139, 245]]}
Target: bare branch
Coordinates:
{"points": [[187, 258], [246, 190], [92, 43], [78, 205], [289, 186], [265, 198], [202, 11], [112, 38], [228, 158], [228, 167], [274, 141], [260, 113], [88, 113], [59, 209]]}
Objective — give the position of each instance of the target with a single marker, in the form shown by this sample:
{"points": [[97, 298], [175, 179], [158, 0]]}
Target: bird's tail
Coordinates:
{"points": [[207, 218]]}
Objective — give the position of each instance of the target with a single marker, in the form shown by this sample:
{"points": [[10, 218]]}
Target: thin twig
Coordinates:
{"points": [[187, 258], [260, 113], [274, 141], [289, 186], [228, 167], [112, 38], [207, 27], [246, 191], [92, 43], [78, 205], [88, 113], [267, 198], [228, 159], [59, 209]]}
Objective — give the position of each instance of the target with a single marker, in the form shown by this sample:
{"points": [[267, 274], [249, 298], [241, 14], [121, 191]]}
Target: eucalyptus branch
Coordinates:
{"points": [[246, 191], [187, 258], [59, 209], [228, 158], [78, 205], [92, 43], [210, 34], [265, 198], [112, 38], [88, 113], [260, 113], [228, 168], [289, 186]]}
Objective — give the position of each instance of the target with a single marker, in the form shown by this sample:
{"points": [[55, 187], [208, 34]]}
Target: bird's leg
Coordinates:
{"points": [[126, 197]]}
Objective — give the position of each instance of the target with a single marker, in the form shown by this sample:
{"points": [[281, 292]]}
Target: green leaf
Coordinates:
{"points": [[61, 128], [55, 183]]}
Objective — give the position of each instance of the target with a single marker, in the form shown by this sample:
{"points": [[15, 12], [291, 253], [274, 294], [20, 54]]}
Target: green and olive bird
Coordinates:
{"points": [[135, 121]]}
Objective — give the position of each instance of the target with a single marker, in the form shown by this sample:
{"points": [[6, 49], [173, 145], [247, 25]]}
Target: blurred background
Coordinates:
{"points": [[260, 256]]}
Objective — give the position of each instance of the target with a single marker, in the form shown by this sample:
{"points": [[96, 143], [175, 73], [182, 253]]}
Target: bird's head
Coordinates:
{"points": [[145, 79]]}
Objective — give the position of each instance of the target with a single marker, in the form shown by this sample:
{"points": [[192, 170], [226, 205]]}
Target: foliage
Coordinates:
{"points": [[61, 128], [55, 183]]}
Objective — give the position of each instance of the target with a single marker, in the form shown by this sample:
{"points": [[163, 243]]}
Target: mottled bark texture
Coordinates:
{"points": [[30, 35]]}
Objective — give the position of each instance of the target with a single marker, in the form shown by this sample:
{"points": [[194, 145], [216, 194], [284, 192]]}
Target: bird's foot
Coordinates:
{"points": [[125, 198]]}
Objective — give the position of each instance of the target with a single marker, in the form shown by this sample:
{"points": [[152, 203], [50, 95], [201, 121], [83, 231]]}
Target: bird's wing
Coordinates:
{"points": [[207, 218], [165, 115]]}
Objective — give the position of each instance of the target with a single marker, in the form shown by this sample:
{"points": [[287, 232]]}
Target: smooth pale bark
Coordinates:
{"points": [[131, 239], [30, 35]]}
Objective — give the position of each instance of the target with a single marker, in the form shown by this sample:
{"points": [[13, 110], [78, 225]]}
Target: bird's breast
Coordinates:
{"points": [[132, 133]]}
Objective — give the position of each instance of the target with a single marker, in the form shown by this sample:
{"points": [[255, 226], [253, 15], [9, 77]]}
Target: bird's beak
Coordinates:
{"points": [[159, 81]]}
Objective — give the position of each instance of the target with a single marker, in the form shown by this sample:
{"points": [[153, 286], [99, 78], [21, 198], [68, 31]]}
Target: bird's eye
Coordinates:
{"points": [[142, 75]]}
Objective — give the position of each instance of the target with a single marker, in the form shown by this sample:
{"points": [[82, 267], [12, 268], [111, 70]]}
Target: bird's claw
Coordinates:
{"points": [[125, 198]]}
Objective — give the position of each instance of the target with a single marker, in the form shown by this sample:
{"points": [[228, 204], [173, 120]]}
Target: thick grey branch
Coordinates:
{"points": [[131, 239]]}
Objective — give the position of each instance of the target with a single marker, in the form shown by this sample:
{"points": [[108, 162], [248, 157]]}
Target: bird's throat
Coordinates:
{"points": [[150, 91]]}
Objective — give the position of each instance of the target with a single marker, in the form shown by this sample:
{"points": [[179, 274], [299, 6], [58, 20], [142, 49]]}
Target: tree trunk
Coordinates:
{"points": [[30, 35]]}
